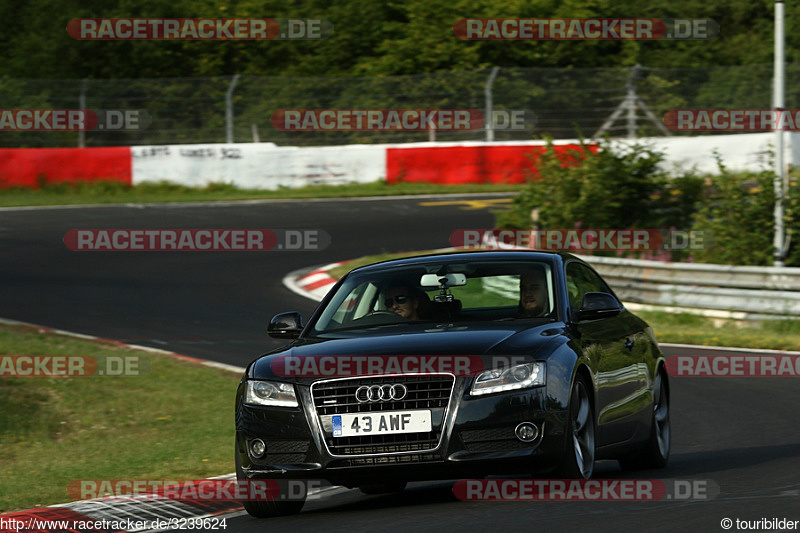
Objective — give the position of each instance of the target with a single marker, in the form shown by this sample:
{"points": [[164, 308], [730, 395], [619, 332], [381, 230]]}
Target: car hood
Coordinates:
{"points": [[485, 341]]}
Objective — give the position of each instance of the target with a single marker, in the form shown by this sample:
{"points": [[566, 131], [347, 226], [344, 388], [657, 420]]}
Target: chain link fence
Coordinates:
{"points": [[568, 103]]}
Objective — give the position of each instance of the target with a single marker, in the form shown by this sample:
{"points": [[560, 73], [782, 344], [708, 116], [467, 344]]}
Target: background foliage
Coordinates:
{"points": [[625, 186], [374, 38]]}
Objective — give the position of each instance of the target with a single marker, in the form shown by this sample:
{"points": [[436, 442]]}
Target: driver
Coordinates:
{"points": [[405, 301], [533, 297]]}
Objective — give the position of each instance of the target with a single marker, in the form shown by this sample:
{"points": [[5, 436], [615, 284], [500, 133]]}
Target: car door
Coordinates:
{"points": [[616, 353]]}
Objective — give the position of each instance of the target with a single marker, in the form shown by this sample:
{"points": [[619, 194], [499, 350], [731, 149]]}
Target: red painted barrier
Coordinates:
{"points": [[467, 164], [31, 167]]}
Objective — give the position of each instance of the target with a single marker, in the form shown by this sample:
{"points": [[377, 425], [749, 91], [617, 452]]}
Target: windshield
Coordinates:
{"points": [[441, 293]]}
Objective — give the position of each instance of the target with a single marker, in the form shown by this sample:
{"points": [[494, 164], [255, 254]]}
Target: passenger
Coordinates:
{"points": [[533, 294]]}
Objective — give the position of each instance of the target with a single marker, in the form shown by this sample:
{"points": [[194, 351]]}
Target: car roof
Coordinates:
{"points": [[461, 256]]}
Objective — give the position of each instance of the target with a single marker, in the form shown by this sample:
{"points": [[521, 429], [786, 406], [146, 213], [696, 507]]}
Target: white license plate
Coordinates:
{"points": [[381, 423]]}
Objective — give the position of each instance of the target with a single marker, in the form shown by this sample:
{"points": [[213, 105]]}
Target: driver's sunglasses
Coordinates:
{"points": [[401, 299]]}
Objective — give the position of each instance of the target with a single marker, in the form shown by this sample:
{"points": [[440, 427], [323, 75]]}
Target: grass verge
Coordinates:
{"points": [[682, 328], [175, 422], [108, 192], [687, 328]]}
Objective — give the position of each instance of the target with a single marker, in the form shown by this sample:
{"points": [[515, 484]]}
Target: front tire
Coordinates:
{"points": [[656, 453], [578, 462]]}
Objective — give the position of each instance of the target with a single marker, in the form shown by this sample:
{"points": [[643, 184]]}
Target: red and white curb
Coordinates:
{"points": [[116, 514], [315, 284], [212, 364], [130, 514]]}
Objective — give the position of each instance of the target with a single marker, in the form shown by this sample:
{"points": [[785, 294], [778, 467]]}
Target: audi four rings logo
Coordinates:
{"points": [[381, 393]]}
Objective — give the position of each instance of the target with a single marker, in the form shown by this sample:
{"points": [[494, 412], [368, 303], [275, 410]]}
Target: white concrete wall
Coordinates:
{"points": [[267, 166], [741, 152], [258, 165]]}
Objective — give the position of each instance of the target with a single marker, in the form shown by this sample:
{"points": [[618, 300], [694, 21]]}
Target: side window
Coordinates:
{"points": [[580, 280]]}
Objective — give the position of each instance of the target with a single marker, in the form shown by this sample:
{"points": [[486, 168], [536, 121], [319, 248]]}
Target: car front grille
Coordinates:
{"points": [[424, 392]]}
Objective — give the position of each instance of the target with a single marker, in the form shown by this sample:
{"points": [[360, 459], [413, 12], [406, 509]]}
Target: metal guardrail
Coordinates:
{"points": [[745, 292], [742, 292]]}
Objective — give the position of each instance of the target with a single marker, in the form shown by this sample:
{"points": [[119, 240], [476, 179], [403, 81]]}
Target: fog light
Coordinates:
{"points": [[257, 448], [527, 432]]}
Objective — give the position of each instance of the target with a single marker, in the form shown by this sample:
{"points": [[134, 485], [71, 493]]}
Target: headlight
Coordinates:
{"points": [[270, 393], [511, 378]]}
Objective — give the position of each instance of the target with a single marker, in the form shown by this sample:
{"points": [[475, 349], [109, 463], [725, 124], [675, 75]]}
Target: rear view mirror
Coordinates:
{"points": [[434, 281], [285, 326]]}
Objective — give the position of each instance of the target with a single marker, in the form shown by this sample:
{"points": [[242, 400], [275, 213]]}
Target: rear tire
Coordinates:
{"points": [[269, 508], [656, 453], [578, 462]]}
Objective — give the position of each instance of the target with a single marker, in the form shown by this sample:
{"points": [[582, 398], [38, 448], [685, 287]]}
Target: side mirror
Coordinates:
{"points": [[285, 326], [597, 305]]}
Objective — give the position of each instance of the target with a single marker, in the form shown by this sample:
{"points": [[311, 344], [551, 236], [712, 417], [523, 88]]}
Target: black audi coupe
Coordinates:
{"points": [[454, 365]]}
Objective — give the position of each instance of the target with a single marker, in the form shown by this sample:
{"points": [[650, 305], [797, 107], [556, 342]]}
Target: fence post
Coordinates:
{"points": [[229, 110], [487, 120], [82, 105], [630, 99], [629, 104]]}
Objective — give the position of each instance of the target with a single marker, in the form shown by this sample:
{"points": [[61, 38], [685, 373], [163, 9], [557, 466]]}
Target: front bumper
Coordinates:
{"points": [[474, 436]]}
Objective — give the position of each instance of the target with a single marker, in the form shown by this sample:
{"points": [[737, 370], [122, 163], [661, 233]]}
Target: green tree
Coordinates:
{"points": [[612, 186], [738, 216]]}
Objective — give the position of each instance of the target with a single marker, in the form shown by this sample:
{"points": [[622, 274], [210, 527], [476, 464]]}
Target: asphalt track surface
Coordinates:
{"points": [[740, 434], [213, 305]]}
